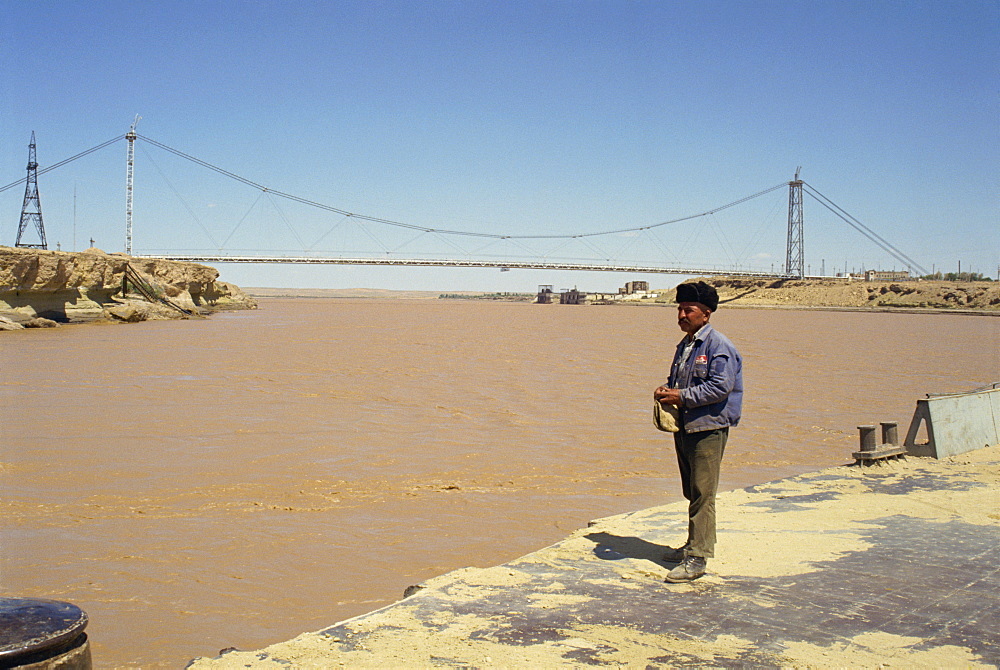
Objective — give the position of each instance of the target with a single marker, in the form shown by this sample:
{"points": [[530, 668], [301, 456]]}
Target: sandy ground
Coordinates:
{"points": [[775, 596], [856, 294]]}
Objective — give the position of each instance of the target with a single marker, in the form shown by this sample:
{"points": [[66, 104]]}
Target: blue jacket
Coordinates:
{"points": [[711, 382]]}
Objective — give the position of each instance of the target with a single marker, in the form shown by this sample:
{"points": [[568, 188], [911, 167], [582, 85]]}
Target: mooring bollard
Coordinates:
{"points": [[890, 433], [43, 635], [867, 436], [872, 453]]}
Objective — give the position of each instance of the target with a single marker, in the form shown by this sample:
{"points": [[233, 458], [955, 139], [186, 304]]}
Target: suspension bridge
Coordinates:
{"points": [[520, 251]]}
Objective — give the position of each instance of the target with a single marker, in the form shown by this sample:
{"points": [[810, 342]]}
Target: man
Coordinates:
{"points": [[706, 385]]}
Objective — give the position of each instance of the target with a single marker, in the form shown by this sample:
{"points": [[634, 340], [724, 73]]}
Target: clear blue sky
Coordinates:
{"points": [[513, 118]]}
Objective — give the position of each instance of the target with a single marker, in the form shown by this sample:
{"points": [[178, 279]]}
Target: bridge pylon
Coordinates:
{"points": [[795, 251], [31, 210], [129, 164]]}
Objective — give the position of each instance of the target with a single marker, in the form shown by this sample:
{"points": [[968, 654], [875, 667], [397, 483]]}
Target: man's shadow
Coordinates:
{"points": [[614, 547]]}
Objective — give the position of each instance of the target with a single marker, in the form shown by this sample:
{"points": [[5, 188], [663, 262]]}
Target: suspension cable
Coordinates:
{"points": [[441, 231], [389, 222], [863, 229], [63, 162]]}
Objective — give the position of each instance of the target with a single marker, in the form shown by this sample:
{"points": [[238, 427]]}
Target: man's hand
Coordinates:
{"points": [[668, 395]]}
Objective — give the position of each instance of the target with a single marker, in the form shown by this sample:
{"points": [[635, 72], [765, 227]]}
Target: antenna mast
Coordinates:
{"points": [[130, 136], [31, 210], [795, 253]]}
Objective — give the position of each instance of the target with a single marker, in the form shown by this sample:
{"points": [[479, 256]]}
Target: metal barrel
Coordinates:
{"points": [[43, 635]]}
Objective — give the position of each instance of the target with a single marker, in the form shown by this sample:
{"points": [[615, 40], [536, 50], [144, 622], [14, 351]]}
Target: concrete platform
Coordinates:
{"points": [[895, 564]]}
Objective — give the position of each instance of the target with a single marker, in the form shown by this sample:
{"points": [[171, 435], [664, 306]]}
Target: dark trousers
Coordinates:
{"points": [[699, 456]]}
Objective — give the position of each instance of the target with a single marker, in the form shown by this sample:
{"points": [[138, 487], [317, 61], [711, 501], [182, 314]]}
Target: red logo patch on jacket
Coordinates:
{"points": [[701, 359]]}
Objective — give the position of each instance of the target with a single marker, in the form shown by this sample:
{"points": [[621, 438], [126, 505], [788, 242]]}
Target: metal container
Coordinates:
{"points": [[39, 634]]}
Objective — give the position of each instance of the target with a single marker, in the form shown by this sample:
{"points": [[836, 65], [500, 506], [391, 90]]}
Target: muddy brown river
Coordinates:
{"points": [[196, 485]]}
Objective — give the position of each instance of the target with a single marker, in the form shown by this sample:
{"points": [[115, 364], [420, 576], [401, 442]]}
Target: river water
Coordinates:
{"points": [[196, 485]]}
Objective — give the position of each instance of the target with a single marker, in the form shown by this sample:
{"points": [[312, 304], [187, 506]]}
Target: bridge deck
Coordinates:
{"points": [[469, 263]]}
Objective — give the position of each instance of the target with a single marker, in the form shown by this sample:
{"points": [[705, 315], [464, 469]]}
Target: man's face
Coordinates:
{"points": [[691, 316]]}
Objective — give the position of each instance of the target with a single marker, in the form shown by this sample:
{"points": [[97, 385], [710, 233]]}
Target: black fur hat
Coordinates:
{"points": [[698, 292]]}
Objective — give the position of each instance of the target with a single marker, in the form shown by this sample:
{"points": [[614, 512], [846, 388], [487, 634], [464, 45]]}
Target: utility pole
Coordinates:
{"points": [[795, 253], [31, 210], [130, 136]]}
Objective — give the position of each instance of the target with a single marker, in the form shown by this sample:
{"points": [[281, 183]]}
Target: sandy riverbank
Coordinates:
{"points": [[890, 565], [857, 294]]}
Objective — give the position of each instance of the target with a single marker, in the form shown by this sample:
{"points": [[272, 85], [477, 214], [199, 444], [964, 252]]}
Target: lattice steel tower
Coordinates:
{"points": [[130, 161], [31, 210], [795, 253]]}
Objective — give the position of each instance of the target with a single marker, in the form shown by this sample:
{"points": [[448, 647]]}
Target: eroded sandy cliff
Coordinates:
{"points": [[85, 285]]}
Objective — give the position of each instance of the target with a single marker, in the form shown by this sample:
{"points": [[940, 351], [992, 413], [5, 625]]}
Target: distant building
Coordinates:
{"points": [[634, 287], [632, 291], [572, 297], [878, 275]]}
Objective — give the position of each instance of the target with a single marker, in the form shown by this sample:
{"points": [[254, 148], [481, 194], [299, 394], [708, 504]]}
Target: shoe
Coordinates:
{"points": [[675, 555], [691, 568]]}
